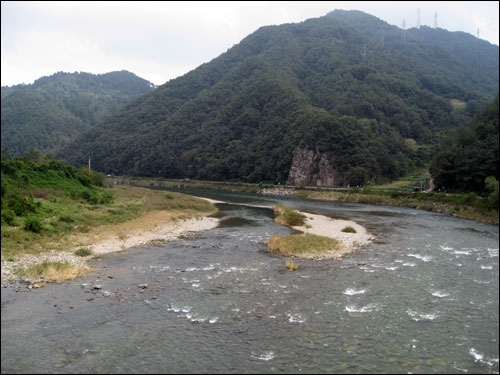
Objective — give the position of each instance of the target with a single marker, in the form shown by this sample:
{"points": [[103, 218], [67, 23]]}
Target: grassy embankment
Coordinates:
{"points": [[48, 206], [300, 244]]}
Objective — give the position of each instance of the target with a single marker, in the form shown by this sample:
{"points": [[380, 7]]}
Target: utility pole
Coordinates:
{"points": [[435, 20], [418, 18], [89, 163]]}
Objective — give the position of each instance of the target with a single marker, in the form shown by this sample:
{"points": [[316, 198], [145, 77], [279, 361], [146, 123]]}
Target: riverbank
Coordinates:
{"points": [[465, 206], [160, 219]]}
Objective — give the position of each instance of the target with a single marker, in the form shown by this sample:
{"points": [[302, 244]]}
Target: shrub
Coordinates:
{"points": [[8, 217], [289, 216], [22, 205], [349, 229], [33, 224], [169, 195]]}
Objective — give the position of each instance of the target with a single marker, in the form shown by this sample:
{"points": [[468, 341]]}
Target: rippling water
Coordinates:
{"points": [[422, 298]]}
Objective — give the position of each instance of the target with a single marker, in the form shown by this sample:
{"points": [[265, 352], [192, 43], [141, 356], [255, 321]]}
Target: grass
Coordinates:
{"points": [[302, 244], [56, 271], [83, 252], [288, 216]]}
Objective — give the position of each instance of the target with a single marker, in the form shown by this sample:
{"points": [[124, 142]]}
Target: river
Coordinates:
{"points": [[422, 298]]}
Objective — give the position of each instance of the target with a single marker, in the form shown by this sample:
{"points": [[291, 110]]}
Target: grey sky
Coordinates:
{"points": [[159, 41]]}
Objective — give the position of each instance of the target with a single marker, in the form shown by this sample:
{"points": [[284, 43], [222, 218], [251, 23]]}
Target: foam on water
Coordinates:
{"points": [[486, 267], [445, 248], [437, 293], [416, 316], [409, 264], [296, 318], [462, 252], [266, 356], [352, 291], [424, 258], [391, 268], [368, 308], [493, 252]]}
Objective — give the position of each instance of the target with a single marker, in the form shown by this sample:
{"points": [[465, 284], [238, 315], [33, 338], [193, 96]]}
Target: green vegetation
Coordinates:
{"points": [[468, 157], [243, 115], [53, 110], [48, 205], [349, 229], [302, 244], [83, 252], [288, 216], [44, 198], [464, 205]]}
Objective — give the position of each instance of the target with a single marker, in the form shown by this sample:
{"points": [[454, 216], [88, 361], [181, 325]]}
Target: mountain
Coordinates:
{"points": [[340, 99], [53, 110]]}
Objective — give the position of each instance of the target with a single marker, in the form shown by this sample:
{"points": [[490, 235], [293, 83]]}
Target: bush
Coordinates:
{"points": [[289, 216], [33, 224], [349, 229], [8, 217], [169, 195], [22, 205], [294, 218]]}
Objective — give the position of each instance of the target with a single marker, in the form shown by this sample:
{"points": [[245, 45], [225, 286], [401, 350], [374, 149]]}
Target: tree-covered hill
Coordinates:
{"points": [[53, 110], [468, 157], [344, 85]]}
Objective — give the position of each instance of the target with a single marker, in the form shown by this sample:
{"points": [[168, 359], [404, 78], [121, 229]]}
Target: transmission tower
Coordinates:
{"points": [[435, 20], [418, 18], [403, 34]]}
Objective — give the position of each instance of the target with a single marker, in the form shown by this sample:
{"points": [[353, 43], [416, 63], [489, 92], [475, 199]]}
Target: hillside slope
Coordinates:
{"points": [[325, 85], [53, 110]]}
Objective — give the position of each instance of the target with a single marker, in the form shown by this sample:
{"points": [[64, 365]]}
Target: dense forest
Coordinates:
{"points": [[468, 158], [53, 110], [374, 98]]}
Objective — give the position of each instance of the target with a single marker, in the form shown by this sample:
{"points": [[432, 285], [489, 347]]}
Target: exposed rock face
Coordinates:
{"points": [[311, 167]]}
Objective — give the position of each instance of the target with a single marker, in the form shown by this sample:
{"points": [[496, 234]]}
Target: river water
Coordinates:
{"points": [[422, 298]]}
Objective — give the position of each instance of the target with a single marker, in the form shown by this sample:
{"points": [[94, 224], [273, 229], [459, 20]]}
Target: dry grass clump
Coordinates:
{"points": [[56, 271], [302, 244], [288, 216], [83, 252], [291, 265]]}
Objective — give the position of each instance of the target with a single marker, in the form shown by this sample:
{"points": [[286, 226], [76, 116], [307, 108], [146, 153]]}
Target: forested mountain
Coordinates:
{"points": [[53, 110], [469, 155], [368, 99]]}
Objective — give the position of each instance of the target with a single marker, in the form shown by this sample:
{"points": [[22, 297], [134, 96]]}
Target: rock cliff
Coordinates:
{"points": [[311, 167]]}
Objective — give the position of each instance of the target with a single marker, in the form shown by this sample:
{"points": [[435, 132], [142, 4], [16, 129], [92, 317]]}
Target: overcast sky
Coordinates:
{"points": [[159, 41]]}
